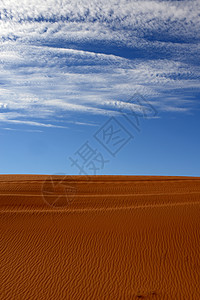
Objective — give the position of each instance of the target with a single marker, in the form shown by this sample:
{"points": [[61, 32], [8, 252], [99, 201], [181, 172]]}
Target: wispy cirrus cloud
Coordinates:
{"points": [[23, 130], [90, 57]]}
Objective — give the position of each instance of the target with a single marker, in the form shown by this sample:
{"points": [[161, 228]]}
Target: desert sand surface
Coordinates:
{"points": [[99, 237]]}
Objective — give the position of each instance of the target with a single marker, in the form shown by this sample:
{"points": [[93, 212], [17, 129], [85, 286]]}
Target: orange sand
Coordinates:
{"points": [[99, 237]]}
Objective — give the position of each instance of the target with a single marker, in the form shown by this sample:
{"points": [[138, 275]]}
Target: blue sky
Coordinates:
{"points": [[100, 87]]}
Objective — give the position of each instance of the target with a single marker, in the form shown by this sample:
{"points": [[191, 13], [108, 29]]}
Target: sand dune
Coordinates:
{"points": [[99, 237]]}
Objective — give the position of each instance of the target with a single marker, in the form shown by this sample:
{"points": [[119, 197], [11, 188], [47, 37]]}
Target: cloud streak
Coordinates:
{"points": [[90, 57]]}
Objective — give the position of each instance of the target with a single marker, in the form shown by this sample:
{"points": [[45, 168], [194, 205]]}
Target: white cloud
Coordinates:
{"points": [[17, 118], [40, 81], [176, 17], [24, 130]]}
